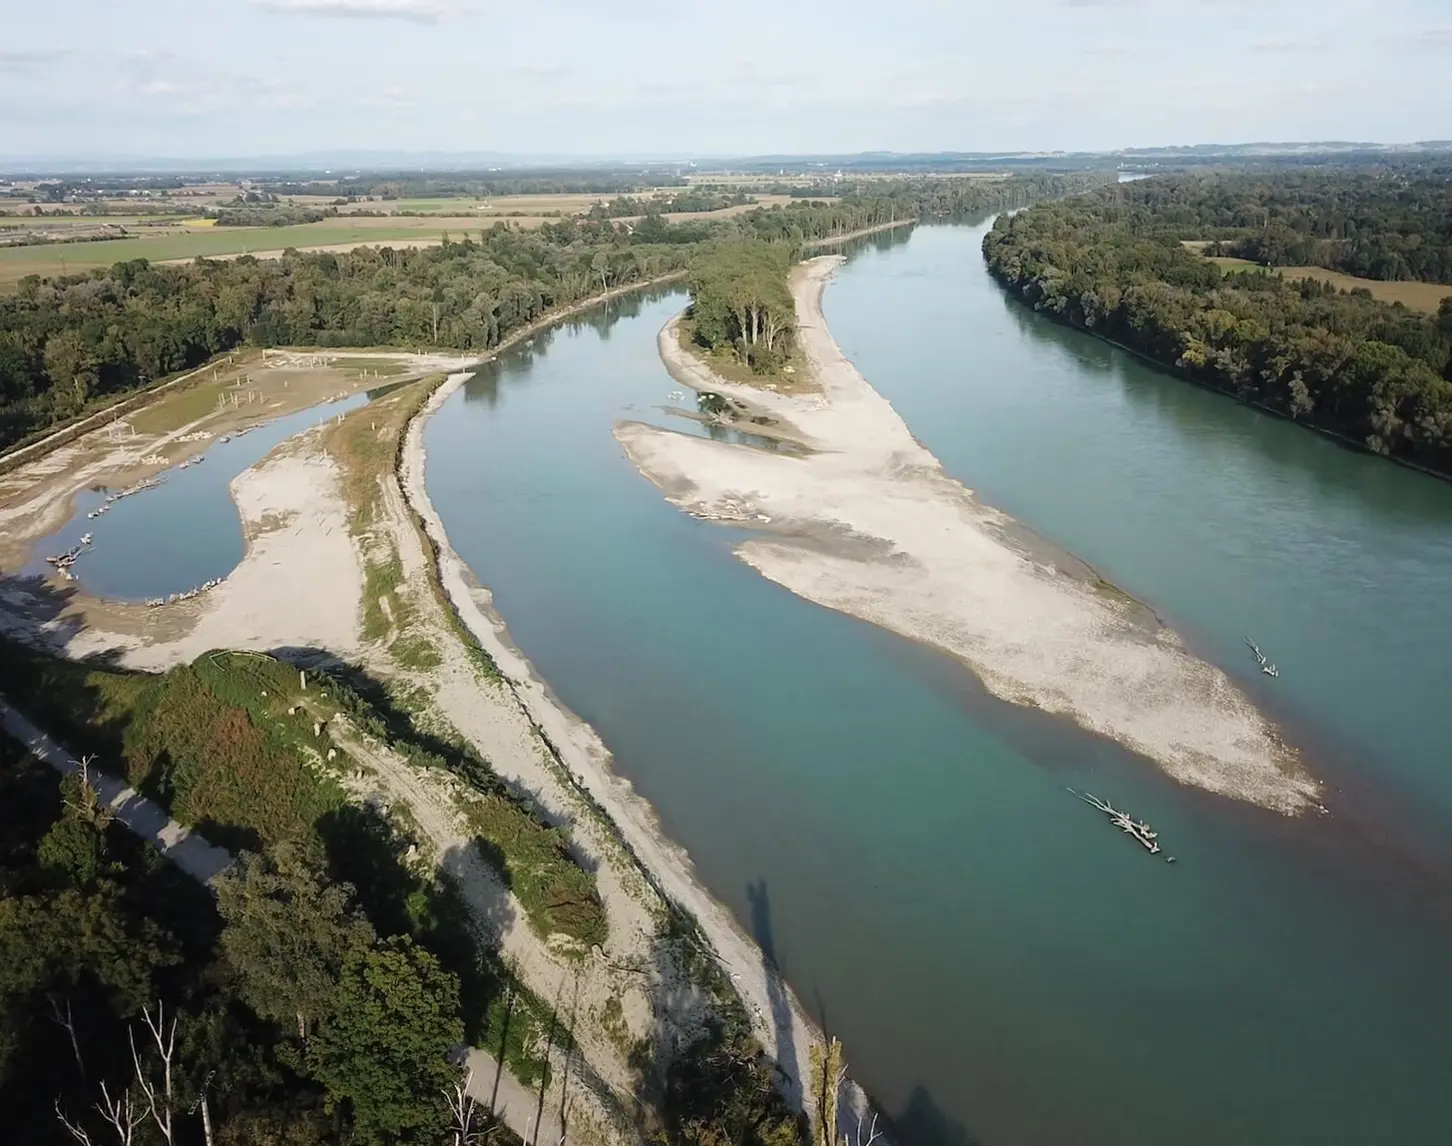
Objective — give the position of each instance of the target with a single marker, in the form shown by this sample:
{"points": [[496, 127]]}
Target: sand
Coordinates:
{"points": [[868, 523], [299, 587], [575, 750]]}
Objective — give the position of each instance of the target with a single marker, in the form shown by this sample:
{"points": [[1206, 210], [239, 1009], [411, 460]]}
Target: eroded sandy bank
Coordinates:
{"points": [[868, 523]]}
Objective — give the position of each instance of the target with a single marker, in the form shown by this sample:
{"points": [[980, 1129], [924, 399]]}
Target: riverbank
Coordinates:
{"points": [[578, 770], [337, 569], [869, 524]]}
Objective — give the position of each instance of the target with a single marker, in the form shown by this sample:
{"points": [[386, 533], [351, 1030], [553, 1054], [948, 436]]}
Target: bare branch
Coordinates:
{"points": [[463, 1109], [68, 1021], [160, 1111], [121, 1113], [77, 1132]]}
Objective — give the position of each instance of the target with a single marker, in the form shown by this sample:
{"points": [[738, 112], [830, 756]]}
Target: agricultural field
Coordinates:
{"points": [[181, 239], [498, 205], [184, 243], [1424, 297]]}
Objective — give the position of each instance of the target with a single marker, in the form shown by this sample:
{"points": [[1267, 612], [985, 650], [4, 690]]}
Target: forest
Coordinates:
{"points": [[278, 1012], [1390, 224], [1112, 263], [69, 344], [318, 998]]}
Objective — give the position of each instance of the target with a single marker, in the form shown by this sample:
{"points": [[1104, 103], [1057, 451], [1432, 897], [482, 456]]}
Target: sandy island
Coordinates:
{"points": [[867, 522]]}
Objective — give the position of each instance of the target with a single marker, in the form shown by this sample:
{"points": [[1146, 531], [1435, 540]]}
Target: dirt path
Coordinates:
{"points": [[869, 524], [534, 1115], [148, 820]]}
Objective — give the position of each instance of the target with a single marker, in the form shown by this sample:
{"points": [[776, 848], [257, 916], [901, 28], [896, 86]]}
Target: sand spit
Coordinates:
{"points": [[868, 523]]}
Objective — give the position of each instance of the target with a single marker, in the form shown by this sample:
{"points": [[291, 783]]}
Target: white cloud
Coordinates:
{"points": [[419, 11]]}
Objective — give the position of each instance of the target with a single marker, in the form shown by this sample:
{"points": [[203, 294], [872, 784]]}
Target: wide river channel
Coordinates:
{"points": [[1003, 967]]}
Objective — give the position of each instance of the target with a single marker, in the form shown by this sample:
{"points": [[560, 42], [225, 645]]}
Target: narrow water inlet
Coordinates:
{"points": [[183, 532]]}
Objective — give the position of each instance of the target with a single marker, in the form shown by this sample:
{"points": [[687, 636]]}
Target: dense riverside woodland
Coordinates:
{"points": [[1375, 224], [69, 344], [315, 999], [1113, 262]]}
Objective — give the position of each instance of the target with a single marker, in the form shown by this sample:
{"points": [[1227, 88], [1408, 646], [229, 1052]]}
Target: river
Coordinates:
{"points": [[1004, 968]]}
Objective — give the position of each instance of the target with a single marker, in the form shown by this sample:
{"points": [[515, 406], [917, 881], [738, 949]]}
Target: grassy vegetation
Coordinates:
{"points": [[53, 258], [383, 611], [558, 896], [1424, 297], [212, 741], [230, 743]]}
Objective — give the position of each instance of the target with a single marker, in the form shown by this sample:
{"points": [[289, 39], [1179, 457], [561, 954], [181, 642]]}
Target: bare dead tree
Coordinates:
{"points": [[873, 1133], [158, 1105], [463, 1111], [88, 807], [67, 1020], [77, 1131], [122, 1114]]}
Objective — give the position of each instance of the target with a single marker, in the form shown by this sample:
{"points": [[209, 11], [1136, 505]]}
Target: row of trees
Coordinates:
{"points": [[271, 216], [1377, 224], [1375, 373]]}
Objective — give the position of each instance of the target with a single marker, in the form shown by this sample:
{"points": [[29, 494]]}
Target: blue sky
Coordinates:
{"points": [[251, 77]]}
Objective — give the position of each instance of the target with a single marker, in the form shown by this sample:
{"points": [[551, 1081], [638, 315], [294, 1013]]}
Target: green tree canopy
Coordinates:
{"points": [[384, 1050], [740, 301], [288, 934]]}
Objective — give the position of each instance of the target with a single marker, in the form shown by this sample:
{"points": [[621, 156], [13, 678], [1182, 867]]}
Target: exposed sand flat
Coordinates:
{"points": [[871, 525], [299, 586]]}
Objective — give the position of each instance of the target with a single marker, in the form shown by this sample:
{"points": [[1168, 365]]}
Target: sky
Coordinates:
{"points": [[686, 78]]}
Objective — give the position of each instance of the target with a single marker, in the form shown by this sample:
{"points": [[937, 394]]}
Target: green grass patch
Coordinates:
{"points": [[381, 580], [178, 408], [417, 652], [556, 893], [211, 741], [71, 258]]}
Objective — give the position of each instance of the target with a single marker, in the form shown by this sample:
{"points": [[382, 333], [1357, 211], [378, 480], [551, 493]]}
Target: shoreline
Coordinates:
{"points": [[1172, 371], [529, 736], [871, 525], [578, 749]]}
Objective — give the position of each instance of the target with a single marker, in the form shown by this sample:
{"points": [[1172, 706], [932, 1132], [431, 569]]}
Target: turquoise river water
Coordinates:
{"points": [[1003, 967]]}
